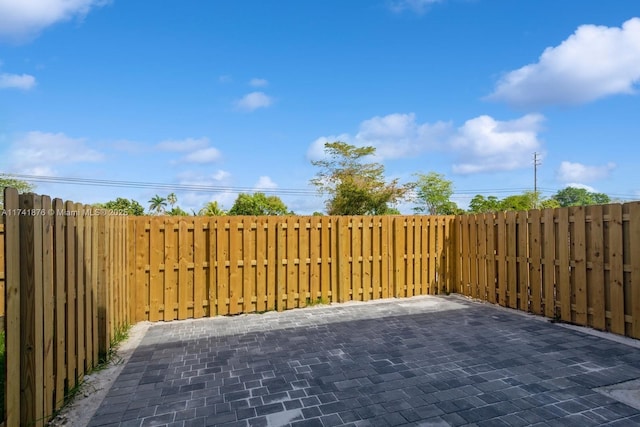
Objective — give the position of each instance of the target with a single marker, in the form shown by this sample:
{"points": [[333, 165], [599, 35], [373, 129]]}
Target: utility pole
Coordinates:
{"points": [[536, 162]]}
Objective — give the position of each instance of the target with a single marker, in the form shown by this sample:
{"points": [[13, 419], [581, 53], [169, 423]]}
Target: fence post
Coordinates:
{"points": [[12, 307], [103, 316], [31, 375]]}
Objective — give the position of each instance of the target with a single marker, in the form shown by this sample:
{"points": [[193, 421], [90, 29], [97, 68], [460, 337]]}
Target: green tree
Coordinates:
{"points": [[549, 203], [9, 181], [519, 202], [212, 209], [354, 186], [177, 211], [258, 204], [131, 207], [574, 196], [433, 194], [172, 199], [480, 204], [157, 205]]}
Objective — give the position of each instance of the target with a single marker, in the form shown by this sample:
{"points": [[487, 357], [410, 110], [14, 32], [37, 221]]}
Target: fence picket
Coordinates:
{"points": [[595, 263], [548, 263], [634, 266], [616, 274], [579, 276]]}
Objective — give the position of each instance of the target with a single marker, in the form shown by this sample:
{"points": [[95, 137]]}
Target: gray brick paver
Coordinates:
{"points": [[395, 362]]}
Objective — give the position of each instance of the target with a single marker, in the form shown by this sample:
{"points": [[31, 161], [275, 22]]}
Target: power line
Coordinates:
{"points": [[275, 191], [160, 186]]}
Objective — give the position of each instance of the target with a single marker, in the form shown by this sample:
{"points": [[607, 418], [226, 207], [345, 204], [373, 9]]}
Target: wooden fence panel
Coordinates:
{"points": [[595, 279], [412, 225], [512, 258], [48, 305], [535, 262], [13, 323], [418, 259], [548, 262], [576, 264], [481, 237], [59, 253], [579, 272], [563, 270], [465, 258], [632, 255], [491, 257], [200, 303], [192, 267], [432, 260], [614, 249], [475, 252], [444, 251], [522, 240], [502, 281], [168, 269]]}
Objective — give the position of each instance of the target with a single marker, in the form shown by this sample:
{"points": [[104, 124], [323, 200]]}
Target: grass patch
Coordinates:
{"points": [[317, 301], [111, 356]]}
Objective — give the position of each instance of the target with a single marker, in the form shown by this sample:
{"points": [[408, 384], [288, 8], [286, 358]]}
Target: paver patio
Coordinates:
{"points": [[420, 361]]}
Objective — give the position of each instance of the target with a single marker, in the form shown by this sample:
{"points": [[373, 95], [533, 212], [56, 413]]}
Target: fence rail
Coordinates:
{"points": [[191, 267], [579, 265]]}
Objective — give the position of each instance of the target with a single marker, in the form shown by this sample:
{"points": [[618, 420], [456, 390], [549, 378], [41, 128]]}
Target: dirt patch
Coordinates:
{"points": [[95, 386]]}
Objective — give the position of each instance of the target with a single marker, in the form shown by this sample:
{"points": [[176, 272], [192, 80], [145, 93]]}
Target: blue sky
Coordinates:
{"points": [[240, 95]]}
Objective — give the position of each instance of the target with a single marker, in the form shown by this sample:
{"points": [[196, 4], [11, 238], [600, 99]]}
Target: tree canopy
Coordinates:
{"points": [[574, 196], [157, 205], [131, 207], [354, 186], [258, 204], [212, 209], [9, 181], [433, 193]]}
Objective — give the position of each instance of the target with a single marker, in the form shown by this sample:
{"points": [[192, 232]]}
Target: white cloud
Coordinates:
{"points": [[265, 183], [17, 81], [253, 101], [258, 82], [217, 180], [394, 136], [586, 187], [225, 79], [23, 19], [204, 180], [221, 175], [316, 149], [198, 150], [399, 135], [577, 172], [187, 144], [204, 155], [417, 6], [594, 62], [484, 144], [36, 152]]}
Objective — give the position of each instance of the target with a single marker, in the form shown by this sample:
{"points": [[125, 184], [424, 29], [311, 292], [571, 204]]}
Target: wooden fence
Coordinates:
{"points": [[65, 273], [192, 267], [579, 265], [72, 278]]}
